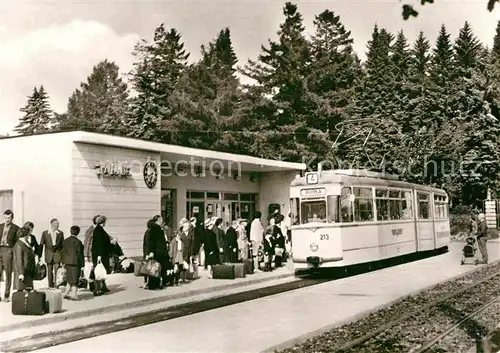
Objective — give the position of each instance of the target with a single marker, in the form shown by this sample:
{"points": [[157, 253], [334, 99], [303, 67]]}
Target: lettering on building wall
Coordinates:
{"points": [[113, 170], [397, 232]]}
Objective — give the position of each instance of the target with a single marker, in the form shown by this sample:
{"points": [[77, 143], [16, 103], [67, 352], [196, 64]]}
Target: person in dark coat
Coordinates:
{"points": [[268, 245], [145, 246], [117, 255], [8, 238], [211, 248], [279, 238], [34, 244], [232, 243], [73, 260], [101, 250], [221, 241], [198, 237], [51, 243], [24, 260], [87, 242], [187, 236], [156, 248]]}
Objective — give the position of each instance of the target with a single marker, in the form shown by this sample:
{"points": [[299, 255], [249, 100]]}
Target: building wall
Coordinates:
{"points": [[275, 188], [127, 203], [205, 182], [38, 170]]}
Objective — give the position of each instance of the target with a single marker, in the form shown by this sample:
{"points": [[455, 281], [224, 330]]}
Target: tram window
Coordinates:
{"points": [[382, 209], [406, 205], [423, 206], [294, 210], [333, 209], [381, 193], [394, 194], [395, 209], [363, 204], [346, 206], [313, 211]]}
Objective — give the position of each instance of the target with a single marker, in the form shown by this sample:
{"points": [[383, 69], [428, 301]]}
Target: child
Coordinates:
{"points": [[73, 261]]}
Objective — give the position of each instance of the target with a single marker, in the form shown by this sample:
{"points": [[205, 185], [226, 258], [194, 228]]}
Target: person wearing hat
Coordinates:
{"points": [[220, 236], [101, 251], [482, 235], [51, 244], [211, 249]]}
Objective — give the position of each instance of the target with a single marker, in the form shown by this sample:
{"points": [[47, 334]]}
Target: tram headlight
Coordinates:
{"points": [[314, 247]]}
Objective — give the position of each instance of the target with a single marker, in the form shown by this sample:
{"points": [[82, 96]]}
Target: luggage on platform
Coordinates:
{"points": [[83, 283], [137, 268], [249, 267], [223, 272], [127, 266], [239, 269], [28, 303], [150, 268], [192, 272], [40, 271], [53, 300]]}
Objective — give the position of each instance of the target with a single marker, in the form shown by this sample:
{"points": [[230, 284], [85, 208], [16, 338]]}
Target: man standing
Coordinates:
{"points": [[256, 237], [8, 238], [482, 235], [52, 243], [87, 242]]}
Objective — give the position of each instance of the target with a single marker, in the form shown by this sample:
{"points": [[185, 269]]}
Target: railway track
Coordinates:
{"points": [[438, 319]]}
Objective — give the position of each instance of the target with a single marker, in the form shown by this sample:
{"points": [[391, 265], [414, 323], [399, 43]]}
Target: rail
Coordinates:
{"points": [[483, 343]]}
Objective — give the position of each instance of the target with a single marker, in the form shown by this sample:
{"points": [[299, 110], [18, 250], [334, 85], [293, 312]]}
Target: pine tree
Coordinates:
{"points": [[281, 72], [38, 116], [496, 43], [207, 96], [335, 72], [375, 135], [100, 104], [159, 66]]}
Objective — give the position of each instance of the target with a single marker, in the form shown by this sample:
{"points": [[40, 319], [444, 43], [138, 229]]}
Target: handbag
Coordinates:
{"points": [[61, 276], [100, 273], [40, 271], [278, 251], [150, 268], [87, 270]]}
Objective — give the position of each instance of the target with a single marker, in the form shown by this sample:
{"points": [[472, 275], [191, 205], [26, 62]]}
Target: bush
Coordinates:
{"points": [[459, 224]]}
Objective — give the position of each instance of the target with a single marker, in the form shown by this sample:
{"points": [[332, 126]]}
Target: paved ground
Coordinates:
{"points": [[262, 324], [127, 292]]}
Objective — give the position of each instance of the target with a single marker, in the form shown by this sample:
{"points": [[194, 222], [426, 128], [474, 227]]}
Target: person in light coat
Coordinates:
{"points": [[482, 236], [256, 236]]}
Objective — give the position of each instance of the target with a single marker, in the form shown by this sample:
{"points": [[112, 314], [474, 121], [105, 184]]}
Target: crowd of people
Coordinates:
{"points": [[195, 243], [206, 243]]}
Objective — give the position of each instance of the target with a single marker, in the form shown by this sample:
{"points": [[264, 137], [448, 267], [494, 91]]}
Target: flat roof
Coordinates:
{"points": [[174, 153]]}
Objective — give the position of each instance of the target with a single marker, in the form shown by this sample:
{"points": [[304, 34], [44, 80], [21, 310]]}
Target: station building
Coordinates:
{"points": [[73, 176]]}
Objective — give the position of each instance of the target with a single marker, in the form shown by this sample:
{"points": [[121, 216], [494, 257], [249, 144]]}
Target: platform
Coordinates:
{"points": [[278, 321]]}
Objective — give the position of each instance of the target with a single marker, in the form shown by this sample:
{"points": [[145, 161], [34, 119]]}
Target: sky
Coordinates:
{"points": [[57, 43]]}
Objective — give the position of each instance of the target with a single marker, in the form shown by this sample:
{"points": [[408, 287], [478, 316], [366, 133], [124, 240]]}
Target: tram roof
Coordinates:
{"points": [[343, 178]]}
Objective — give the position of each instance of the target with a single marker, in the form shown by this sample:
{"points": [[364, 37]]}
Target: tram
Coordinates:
{"points": [[348, 217]]}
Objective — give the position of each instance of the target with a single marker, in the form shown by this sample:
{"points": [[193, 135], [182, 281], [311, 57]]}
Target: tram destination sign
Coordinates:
{"points": [[313, 192]]}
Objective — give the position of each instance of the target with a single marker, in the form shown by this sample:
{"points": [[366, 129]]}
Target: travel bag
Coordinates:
{"points": [[53, 300], [223, 272], [28, 302], [239, 269], [192, 272], [40, 271], [249, 267]]}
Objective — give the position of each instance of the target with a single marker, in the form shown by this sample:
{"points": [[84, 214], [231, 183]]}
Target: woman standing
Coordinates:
{"points": [[242, 240], [221, 243], [156, 249], [176, 253], [24, 260], [211, 248], [101, 251], [73, 260], [232, 243]]}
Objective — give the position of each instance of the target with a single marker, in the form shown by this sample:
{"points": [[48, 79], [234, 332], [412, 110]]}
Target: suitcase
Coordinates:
{"points": [[239, 269], [53, 300], [249, 270], [28, 303], [192, 275], [223, 272]]}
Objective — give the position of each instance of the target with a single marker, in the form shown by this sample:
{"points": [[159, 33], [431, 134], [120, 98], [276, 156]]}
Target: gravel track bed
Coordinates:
{"points": [[461, 339], [409, 335], [339, 336]]}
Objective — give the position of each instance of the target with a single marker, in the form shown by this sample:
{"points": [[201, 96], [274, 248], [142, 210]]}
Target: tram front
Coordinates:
{"points": [[316, 235]]}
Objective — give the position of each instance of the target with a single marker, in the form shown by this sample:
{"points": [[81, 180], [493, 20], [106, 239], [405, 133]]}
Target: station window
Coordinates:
{"points": [[382, 204], [423, 206], [230, 197], [346, 205], [213, 196], [363, 204]]}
